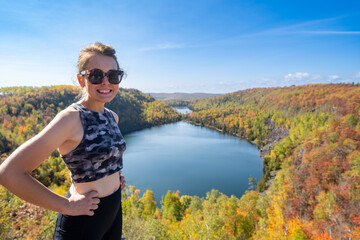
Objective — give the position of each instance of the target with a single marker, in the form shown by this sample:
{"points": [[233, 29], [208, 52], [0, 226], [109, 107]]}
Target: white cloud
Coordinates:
{"points": [[296, 76], [301, 78], [316, 77], [231, 85], [329, 32], [163, 46], [311, 27], [305, 78], [332, 78]]}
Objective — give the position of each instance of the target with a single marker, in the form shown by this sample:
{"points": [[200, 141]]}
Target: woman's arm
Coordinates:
{"points": [[15, 170]]}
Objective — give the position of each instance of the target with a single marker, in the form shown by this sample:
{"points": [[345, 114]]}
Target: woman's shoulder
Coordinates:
{"points": [[69, 112], [62, 128], [69, 116]]}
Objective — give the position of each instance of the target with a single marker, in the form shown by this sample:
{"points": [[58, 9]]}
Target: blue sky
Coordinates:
{"points": [[184, 46]]}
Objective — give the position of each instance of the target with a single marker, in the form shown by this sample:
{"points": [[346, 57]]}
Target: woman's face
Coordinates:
{"points": [[105, 91]]}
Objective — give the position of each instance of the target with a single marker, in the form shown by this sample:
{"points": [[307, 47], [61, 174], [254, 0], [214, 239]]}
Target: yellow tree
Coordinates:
{"points": [[325, 209], [149, 203], [277, 226]]}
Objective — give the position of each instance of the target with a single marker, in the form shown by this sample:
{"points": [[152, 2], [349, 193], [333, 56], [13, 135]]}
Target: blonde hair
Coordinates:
{"points": [[92, 50], [88, 52]]}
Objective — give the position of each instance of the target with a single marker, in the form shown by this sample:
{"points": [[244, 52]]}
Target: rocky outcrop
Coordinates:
{"points": [[275, 134]]}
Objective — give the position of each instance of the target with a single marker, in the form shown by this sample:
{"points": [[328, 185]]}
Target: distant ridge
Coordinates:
{"points": [[177, 95]]}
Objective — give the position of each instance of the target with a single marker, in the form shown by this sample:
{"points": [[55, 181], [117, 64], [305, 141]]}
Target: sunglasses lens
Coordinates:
{"points": [[95, 76], [114, 76]]}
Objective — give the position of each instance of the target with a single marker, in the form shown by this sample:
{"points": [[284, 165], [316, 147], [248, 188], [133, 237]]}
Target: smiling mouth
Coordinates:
{"points": [[104, 91]]}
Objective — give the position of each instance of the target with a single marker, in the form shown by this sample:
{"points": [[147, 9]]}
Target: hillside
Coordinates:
{"points": [[178, 95], [25, 111], [309, 137]]}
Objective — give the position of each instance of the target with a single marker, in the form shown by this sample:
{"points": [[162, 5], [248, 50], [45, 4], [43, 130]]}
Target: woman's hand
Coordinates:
{"points": [[122, 181], [82, 204]]}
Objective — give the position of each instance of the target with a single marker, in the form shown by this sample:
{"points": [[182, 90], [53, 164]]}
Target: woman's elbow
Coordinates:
{"points": [[7, 174], [2, 175]]}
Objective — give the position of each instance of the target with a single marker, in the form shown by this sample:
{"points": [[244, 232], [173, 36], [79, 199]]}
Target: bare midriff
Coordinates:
{"points": [[104, 186]]}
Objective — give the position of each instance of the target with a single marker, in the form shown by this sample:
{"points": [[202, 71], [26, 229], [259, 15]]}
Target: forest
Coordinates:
{"points": [[314, 192]]}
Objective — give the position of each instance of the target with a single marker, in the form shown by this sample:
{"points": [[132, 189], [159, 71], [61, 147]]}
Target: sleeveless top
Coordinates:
{"points": [[100, 151]]}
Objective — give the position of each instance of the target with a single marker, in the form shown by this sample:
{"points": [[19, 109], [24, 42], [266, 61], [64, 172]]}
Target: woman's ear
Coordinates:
{"points": [[80, 80]]}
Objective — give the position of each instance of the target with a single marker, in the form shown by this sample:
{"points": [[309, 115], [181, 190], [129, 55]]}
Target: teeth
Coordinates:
{"points": [[104, 91]]}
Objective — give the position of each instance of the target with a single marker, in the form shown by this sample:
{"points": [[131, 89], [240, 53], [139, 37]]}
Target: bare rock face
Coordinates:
{"points": [[275, 135]]}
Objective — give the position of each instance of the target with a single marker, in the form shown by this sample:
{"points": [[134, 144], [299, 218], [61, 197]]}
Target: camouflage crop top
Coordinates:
{"points": [[100, 151]]}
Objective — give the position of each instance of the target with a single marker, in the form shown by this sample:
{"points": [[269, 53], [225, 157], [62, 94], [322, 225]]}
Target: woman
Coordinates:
{"points": [[88, 139]]}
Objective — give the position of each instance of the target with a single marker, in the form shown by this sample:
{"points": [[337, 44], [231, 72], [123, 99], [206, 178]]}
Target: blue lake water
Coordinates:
{"points": [[191, 159]]}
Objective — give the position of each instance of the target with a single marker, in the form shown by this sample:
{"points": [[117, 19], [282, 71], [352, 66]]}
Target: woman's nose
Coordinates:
{"points": [[105, 80]]}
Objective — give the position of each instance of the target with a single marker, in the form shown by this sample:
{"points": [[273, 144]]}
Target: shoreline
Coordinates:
{"points": [[275, 135]]}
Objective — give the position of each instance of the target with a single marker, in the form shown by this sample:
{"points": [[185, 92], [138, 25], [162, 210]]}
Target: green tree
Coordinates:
{"points": [[149, 203], [171, 207]]}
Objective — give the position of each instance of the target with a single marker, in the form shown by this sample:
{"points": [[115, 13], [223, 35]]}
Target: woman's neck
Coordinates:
{"points": [[93, 106]]}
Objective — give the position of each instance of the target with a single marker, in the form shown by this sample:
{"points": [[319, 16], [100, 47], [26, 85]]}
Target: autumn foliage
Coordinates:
{"points": [[25, 111], [316, 192], [314, 195]]}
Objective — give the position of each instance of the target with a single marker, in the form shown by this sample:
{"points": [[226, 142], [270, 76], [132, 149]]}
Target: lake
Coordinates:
{"points": [[191, 159]]}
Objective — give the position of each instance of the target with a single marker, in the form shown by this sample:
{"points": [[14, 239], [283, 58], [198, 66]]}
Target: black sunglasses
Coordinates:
{"points": [[96, 76]]}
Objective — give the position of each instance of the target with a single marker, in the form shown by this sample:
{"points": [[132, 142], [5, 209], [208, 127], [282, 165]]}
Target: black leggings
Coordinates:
{"points": [[106, 223]]}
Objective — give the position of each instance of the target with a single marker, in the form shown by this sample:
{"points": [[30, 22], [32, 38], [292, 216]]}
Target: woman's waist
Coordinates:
{"points": [[104, 186]]}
